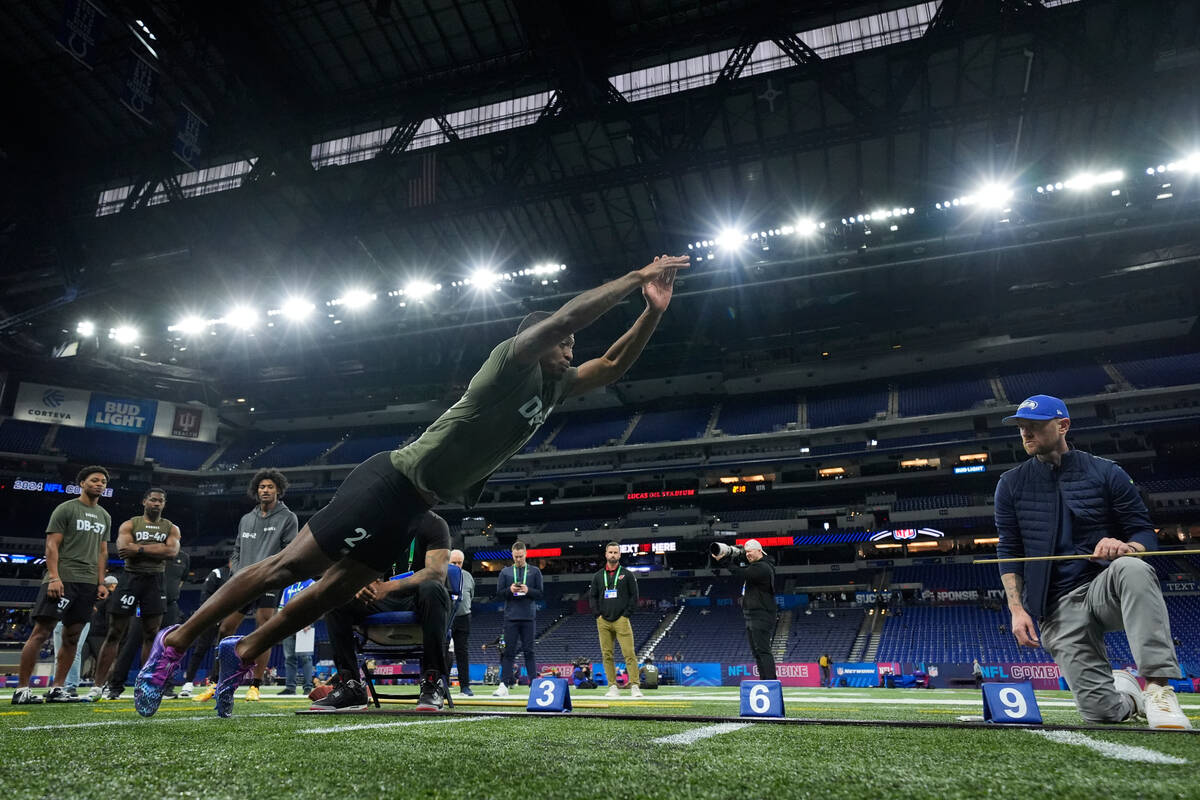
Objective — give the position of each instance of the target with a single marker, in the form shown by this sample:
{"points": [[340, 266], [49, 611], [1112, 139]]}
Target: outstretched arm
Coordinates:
{"points": [[584, 309]]}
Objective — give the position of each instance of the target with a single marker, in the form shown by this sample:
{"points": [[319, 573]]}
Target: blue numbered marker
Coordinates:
{"points": [[1010, 703], [549, 694], [762, 699]]}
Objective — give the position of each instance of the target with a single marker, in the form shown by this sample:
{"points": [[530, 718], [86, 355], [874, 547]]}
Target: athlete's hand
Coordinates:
{"points": [[127, 551], [101, 591], [1022, 628], [55, 589], [1108, 548], [658, 279], [370, 593]]}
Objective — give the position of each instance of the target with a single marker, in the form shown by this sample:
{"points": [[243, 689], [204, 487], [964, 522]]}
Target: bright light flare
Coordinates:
{"points": [[356, 299], [86, 328], [1086, 180], [806, 227], [124, 334], [993, 195], [297, 308], [419, 290], [241, 317], [730, 239], [190, 324], [483, 278]]}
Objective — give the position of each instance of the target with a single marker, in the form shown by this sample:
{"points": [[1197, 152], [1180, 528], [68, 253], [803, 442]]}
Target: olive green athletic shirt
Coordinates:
{"points": [[83, 528], [505, 403], [144, 533]]}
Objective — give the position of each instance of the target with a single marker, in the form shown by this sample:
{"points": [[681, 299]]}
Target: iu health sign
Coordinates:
{"points": [[125, 414]]}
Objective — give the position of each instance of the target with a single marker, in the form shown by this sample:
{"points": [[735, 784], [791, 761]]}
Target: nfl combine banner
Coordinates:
{"points": [[79, 408]]}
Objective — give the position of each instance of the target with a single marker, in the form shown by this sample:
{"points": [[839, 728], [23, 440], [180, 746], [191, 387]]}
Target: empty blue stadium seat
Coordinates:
{"points": [[178, 453], [670, 426], [22, 436]]}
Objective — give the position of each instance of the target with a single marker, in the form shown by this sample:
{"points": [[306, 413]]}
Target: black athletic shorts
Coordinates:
{"points": [[370, 516], [265, 600], [75, 606], [144, 589]]}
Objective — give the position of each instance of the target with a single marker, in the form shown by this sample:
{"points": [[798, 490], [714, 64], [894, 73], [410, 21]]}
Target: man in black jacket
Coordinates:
{"points": [[613, 599], [758, 603]]}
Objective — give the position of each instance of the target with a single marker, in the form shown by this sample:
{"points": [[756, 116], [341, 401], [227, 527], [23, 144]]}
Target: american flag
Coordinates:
{"points": [[422, 189]]}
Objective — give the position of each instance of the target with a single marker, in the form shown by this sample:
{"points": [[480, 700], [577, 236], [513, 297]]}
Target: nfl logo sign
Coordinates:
{"points": [[187, 423], [905, 533]]}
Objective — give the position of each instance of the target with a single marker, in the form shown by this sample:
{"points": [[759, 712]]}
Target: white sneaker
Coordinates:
{"points": [[1126, 684], [95, 694], [501, 691], [1162, 709], [613, 691], [186, 691], [635, 691]]}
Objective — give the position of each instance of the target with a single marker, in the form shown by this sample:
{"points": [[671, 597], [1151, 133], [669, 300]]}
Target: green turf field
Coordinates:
{"points": [[104, 750]]}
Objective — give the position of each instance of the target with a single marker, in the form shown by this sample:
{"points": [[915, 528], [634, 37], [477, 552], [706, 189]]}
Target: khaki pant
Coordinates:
{"points": [[622, 631], [1125, 596]]}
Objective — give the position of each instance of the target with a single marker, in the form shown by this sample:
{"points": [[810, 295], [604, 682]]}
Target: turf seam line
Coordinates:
{"points": [[1120, 752]]}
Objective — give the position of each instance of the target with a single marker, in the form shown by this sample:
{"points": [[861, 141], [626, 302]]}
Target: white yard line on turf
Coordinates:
{"points": [[1121, 752], [358, 727], [696, 734], [138, 721]]}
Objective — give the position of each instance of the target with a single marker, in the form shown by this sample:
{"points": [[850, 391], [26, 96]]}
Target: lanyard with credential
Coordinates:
{"points": [[616, 577], [524, 575]]}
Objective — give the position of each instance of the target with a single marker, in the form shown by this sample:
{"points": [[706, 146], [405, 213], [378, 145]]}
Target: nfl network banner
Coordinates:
{"points": [[855, 673], [37, 402], [125, 414], [788, 674]]}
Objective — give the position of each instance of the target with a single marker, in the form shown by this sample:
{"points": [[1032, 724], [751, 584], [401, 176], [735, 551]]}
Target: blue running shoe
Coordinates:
{"points": [[233, 671], [158, 669]]}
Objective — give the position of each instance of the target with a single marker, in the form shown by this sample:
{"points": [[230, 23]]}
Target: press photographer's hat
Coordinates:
{"points": [[752, 544]]}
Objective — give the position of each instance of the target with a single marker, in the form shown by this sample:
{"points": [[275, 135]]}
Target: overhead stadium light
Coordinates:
{"points": [[124, 334], [1086, 180], [806, 227], [86, 328], [483, 278], [993, 195], [356, 299], [241, 317], [189, 325], [297, 308], [730, 239], [419, 290]]}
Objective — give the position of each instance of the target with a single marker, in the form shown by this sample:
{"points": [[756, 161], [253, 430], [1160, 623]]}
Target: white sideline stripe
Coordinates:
{"points": [[138, 721], [696, 734], [368, 726], [1121, 752]]}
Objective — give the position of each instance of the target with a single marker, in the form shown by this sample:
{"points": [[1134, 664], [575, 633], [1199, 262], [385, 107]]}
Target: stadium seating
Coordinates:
{"points": [[953, 634], [592, 429], [96, 446], [249, 444], [20, 436], [178, 453], [846, 407], [748, 414], [810, 635], [941, 396], [933, 502], [1064, 381], [1172, 370], [670, 426], [708, 633], [576, 637], [362, 445], [295, 450], [951, 577]]}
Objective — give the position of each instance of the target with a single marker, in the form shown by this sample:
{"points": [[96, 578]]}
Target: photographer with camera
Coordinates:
{"points": [[757, 570]]}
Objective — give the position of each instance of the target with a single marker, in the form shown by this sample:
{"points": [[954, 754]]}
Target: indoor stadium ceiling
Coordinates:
{"points": [[866, 105]]}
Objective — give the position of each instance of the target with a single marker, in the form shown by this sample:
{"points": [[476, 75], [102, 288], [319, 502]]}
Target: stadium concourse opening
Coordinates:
{"points": [[771, 377]]}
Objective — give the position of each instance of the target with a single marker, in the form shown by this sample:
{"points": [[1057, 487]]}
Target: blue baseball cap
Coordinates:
{"points": [[1040, 407]]}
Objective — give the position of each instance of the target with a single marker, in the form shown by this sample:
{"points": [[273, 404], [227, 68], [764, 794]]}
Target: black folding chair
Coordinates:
{"points": [[397, 636]]}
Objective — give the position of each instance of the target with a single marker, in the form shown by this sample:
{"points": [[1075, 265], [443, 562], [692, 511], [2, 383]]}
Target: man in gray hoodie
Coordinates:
{"points": [[261, 534]]}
